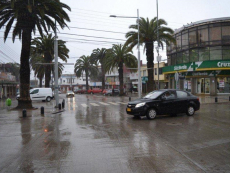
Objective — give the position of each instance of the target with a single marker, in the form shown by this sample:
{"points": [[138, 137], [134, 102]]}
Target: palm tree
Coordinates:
{"points": [[148, 35], [117, 56], [27, 16], [44, 46], [84, 65], [39, 69], [99, 56]]}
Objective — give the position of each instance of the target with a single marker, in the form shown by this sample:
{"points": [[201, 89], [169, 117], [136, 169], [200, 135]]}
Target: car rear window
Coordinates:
{"points": [[181, 94], [153, 94]]}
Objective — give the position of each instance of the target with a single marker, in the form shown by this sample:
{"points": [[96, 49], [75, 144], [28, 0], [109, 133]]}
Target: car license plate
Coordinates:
{"points": [[128, 109]]}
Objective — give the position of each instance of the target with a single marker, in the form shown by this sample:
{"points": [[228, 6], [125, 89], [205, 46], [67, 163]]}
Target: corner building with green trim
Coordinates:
{"points": [[201, 57]]}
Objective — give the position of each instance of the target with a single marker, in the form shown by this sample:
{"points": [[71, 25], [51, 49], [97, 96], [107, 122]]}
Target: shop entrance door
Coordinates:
{"points": [[203, 85]]}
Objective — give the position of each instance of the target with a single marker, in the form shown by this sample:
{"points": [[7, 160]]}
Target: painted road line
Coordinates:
{"points": [[113, 103], [104, 103], [122, 103], [84, 105], [94, 104]]}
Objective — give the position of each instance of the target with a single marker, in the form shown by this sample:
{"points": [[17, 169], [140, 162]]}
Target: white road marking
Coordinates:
{"points": [[84, 105], [113, 103], [94, 104], [122, 103], [104, 103]]}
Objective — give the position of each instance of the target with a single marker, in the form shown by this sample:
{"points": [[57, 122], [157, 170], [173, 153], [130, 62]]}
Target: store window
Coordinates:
{"points": [[215, 53], [204, 54], [223, 85], [185, 56], [215, 35], [184, 38], [226, 34], [203, 36], [226, 52], [193, 55]]}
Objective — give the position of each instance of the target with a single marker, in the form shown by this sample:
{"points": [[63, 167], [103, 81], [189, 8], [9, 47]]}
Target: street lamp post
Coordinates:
{"points": [[138, 47]]}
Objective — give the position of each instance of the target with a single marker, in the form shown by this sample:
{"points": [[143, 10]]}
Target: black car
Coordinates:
{"points": [[163, 102]]}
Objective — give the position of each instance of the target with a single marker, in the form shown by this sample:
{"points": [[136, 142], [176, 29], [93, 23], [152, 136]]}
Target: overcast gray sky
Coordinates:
{"points": [[87, 16]]}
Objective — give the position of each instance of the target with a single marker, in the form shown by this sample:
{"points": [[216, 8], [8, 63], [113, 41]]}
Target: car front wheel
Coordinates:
{"points": [[190, 111], [151, 114]]}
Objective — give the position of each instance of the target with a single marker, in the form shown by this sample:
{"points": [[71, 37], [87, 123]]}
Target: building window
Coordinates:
{"points": [[63, 81], [155, 70], [193, 55], [173, 60], [185, 56], [193, 38], [160, 70], [84, 79], [185, 40], [204, 54], [215, 53], [144, 73], [215, 35], [178, 41], [226, 52], [179, 59], [203, 35], [226, 34]]}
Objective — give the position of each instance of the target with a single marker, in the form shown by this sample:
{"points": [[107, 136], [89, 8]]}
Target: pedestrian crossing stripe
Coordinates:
{"points": [[94, 104], [113, 103], [84, 105], [122, 103], [104, 103]]}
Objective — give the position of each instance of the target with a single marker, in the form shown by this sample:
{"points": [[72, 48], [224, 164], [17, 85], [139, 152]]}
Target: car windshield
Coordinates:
{"points": [[153, 95], [70, 92]]}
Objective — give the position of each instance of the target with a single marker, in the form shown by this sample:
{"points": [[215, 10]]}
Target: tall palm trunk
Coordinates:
{"points": [[103, 77], [40, 81], [120, 71], [24, 101], [150, 59], [87, 84], [48, 58]]}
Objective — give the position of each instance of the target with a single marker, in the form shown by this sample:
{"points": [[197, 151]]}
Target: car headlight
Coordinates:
{"points": [[139, 105]]}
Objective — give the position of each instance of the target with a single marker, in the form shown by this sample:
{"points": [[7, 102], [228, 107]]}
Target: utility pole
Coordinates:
{"points": [[56, 66]]}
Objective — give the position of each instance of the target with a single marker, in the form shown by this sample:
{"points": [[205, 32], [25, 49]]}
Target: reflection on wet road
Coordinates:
{"points": [[95, 134]]}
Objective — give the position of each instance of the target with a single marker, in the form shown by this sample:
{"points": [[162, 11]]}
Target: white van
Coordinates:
{"points": [[44, 94]]}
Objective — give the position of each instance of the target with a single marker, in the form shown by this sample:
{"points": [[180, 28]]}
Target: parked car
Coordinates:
{"points": [[81, 91], [110, 92], [104, 91], [44, 94], [163, 102], [69, 94], [94, 90], [76, 91], [133, 90]]}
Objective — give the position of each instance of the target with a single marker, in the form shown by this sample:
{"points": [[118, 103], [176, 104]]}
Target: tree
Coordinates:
{"points": [[85, 65], [44, 47], [116, 57], [148, 35], [13, 68], [39, 69], [27, 16], [99, 56]]}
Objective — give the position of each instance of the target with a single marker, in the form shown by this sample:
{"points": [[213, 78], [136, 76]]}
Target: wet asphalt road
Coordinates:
{"points": [[95, 135]]}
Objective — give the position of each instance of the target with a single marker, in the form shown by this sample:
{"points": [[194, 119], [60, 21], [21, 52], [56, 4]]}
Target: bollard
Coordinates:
{"points": [[24, 113], [8, 102], [216, 99], [42, 110], [59, 106], [129, 98], [63, 104]]}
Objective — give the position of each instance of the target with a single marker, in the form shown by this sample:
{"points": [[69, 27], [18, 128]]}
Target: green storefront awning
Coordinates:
{"points": [[198, 66]]}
